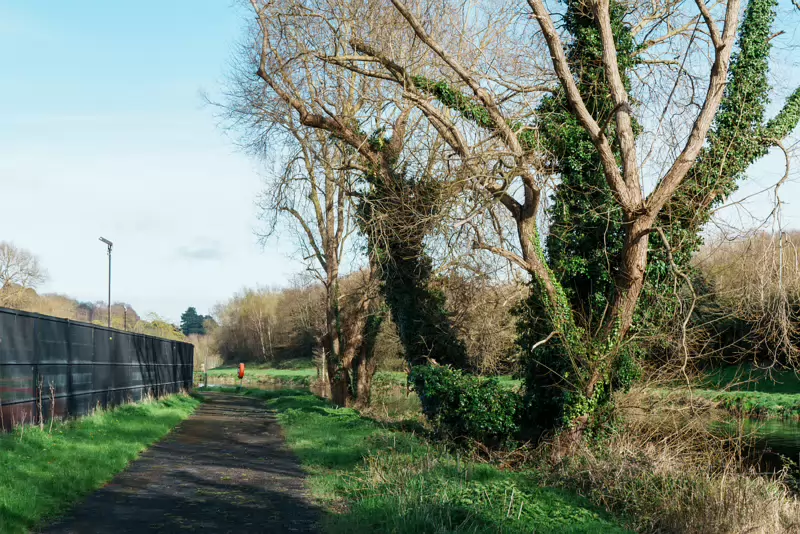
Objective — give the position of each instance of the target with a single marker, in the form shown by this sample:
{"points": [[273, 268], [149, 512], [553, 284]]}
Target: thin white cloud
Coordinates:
{"points": [[211, 250]]}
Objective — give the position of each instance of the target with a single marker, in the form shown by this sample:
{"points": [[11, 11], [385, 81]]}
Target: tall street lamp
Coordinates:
{"points": [[110, 245]]}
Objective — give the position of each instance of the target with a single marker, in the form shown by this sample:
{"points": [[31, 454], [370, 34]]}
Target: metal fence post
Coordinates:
{"points": [[70, 386], [35, 371]]}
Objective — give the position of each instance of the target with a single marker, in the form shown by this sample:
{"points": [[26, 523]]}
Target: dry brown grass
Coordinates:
{"points": [[666, 472]]}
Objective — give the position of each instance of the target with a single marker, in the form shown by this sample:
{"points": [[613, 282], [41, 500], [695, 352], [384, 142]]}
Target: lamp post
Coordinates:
{"points": [[110, 245]]}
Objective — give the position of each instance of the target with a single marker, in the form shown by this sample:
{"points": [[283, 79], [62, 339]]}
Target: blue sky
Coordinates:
{"points": [[103, 131], [751, 204]]}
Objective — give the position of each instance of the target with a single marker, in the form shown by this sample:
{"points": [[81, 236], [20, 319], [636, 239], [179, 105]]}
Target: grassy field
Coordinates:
{"points": [[374, 477], [44, 473], [295, 375], [256, 376], [258, 372]]}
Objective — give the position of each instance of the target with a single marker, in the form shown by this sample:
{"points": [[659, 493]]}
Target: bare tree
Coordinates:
{"points": [[475, 94], [20, 271], [310, 192], [476, 76], [398, 188], [757, 287]]}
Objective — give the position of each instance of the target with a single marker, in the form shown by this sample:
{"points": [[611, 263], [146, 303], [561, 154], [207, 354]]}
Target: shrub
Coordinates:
{"points": [[462, 406]]}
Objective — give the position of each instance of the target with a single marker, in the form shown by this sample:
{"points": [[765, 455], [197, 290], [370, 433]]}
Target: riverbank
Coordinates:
{"points": [[44, 472], [749, 392]]}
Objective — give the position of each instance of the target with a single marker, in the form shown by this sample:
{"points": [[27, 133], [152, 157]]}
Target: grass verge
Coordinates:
{"points": [[756, 404], [376, 478], [741, 391], [749, 378], [44, 472], [753, 392]]}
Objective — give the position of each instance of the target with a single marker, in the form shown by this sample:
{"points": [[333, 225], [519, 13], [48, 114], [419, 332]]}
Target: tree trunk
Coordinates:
{"points": [[365, 365], [338, 376], [340, 384], [364, 372], [630, 281], [570, 439], [323, 372]]}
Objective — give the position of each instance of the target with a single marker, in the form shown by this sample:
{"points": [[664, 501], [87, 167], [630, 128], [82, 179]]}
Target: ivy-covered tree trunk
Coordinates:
{"points": [[601, 254], [596, 279], [396, 214], [419, 312], [583, 290], [569, 379]]}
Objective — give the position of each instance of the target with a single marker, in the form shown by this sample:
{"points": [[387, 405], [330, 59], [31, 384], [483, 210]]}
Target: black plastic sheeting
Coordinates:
{"points": [[70, 368]]}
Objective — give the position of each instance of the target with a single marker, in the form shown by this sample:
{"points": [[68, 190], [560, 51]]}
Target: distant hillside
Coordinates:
{"points": [[123, 315]]}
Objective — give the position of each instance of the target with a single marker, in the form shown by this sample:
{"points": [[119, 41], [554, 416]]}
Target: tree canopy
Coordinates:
{"points": [[192, 322]]}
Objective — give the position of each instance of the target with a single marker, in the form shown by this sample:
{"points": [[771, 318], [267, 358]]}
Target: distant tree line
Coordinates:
{"points": [[21, 273]]}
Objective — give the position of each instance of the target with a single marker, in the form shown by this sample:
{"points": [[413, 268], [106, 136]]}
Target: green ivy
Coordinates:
{"points": [[735, 140], [395, 215], [587, 230], [463, 406], [586, 237]]}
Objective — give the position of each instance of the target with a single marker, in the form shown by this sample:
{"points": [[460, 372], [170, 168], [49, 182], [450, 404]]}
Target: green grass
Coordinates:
{"points": [[291, 363], [748, 378], [755, 403], [291, 376], [44, 473], [375, 479], [754, 392], [257, 371], [255, 375], [509, 382]]}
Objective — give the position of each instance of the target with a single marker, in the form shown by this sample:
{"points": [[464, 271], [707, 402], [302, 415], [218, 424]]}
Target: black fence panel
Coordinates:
{"points": [[57, 367]]}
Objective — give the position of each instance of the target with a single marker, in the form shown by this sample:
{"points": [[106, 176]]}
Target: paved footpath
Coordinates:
{"points": [[224, 469]]}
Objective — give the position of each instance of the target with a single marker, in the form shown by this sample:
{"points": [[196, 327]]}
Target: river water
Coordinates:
{"points": [[772, 440]]}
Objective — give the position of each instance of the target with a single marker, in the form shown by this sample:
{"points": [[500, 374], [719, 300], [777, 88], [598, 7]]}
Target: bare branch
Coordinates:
{"points": [[713, 30], [716, 88], [559, 59]]}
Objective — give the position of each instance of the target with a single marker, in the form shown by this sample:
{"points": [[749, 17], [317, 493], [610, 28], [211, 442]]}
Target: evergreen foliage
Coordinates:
{"points": [[460, 405], [192, 322]]}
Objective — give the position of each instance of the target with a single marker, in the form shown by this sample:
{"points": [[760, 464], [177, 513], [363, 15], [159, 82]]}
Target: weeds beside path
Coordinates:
{"points": [[224, 469], [375, 479], [45, 471]]}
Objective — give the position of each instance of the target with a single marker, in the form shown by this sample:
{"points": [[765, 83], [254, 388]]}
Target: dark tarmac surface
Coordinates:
{"points": [[224, 469]]}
